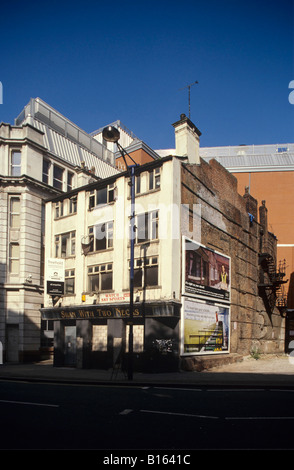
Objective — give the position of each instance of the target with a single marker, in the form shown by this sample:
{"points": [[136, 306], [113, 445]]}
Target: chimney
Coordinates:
{"points": [[187, 139]]}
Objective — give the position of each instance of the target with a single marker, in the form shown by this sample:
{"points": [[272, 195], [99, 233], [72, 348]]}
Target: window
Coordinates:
{"points": [[154, 179], [45, 174], [101, 196], [65, 245], [70, 180], [147, 226], [146, 272], [102, 236], [14, 258], [138, 184], [92, 199], [58, 177], [15, 169], [14, 212], [73, 205], [69, 281], [100, 278], [58, 209]]}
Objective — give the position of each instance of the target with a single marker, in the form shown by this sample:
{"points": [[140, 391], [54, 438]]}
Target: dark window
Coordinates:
{"points": [[58, 177]]}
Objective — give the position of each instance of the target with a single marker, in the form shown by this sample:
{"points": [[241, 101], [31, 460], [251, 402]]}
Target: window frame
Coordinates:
{"points": [[70, 180], [69, 275], [104, 195], [13, 213], [98, 271], [12, 259], [13, 165], [142, 268], [70, 244], [73, 205], [46, 174], [151, 220], [154, 179], [58, 180], [108, 231]]}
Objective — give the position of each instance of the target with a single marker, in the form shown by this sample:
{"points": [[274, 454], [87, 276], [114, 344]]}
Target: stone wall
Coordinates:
{"points": [[230, 224]]}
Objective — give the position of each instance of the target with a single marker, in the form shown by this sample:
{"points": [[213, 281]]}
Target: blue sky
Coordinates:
{"points": [[97, 61]]}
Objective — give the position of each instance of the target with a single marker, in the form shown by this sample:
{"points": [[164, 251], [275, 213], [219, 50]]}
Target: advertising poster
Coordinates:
{"points": [[205, 328], [206, 273]]}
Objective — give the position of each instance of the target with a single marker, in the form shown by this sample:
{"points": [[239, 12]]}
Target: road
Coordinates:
{"points": [[59, 416]]}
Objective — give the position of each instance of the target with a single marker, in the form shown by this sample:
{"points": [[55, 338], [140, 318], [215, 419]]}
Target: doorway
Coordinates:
{"points": [[289, 333], [70, 346]]}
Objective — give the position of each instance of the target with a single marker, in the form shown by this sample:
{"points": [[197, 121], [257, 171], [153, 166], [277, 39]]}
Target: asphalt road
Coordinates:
{"points": [[37, 416]]}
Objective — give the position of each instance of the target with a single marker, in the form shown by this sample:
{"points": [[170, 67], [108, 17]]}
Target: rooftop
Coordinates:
{"points": [[66, 140], [243, 158]]}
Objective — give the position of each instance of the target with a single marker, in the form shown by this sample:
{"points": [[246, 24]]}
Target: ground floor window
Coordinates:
{"points": [[138, 338], [99, 338]]}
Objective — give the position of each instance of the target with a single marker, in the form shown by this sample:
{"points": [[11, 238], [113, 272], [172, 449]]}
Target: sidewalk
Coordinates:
{"points": [[268, 371]]}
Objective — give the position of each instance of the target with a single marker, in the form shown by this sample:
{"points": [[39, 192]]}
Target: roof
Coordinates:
{"points": [[244, 158], [67, 141]]}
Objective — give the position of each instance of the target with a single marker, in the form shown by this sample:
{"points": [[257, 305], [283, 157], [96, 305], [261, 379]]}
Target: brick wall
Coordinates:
{"points": [[227, 227]]}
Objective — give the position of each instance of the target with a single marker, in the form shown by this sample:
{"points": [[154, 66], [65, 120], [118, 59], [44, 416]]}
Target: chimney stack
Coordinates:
{"points": [[187, 139]]}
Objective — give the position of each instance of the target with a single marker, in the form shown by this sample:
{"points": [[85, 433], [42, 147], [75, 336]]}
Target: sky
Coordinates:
{"points": [[97, 62]]}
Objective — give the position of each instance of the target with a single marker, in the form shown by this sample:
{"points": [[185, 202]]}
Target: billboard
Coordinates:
{"points": [[205, 327], [206, 273]]}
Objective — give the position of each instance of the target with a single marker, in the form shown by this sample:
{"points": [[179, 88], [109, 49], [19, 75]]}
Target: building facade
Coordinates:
{"points": [[204, 266], [41, 155]]}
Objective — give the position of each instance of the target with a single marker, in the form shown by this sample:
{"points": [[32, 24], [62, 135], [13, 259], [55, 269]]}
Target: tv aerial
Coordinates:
{"points": [[189, 95]]}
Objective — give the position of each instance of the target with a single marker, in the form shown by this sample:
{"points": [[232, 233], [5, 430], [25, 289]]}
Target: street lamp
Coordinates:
{"points": [[112, 134]]}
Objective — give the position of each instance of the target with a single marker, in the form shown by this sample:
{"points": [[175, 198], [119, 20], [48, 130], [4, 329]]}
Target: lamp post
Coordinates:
{"points": [[112, 134]]}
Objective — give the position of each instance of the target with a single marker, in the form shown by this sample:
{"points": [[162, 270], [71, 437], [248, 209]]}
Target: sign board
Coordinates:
{"points": [[54, 276], [205, 327], [206, 273], [114, 297]]}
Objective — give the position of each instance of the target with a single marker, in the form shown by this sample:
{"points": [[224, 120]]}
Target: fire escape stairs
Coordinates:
{"points": [[274, 281]]}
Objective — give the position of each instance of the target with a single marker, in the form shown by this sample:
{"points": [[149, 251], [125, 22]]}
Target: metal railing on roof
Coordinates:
{"points": [[41, 111]]}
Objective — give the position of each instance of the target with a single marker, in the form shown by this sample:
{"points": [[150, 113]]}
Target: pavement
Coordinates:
{"points": [[267, 371]]}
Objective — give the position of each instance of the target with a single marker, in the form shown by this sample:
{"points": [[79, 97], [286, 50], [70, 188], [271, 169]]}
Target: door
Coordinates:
{"points": [[12, 332], [70, 345], [289, 334]]}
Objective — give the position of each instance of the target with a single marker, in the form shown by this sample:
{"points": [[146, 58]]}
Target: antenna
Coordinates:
{"points": [[189, 88]]}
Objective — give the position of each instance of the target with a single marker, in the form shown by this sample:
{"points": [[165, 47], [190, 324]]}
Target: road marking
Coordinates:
{"points": [[236, 390], [181, 389], [126, 411], [259, 417], [28, 403], [178, 414]]}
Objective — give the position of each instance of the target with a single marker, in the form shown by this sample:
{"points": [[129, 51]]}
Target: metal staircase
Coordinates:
{"points": [[271, 286]]}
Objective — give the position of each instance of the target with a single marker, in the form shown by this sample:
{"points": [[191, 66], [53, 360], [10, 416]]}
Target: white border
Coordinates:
{"points": [[196, 296], [207, 353]]}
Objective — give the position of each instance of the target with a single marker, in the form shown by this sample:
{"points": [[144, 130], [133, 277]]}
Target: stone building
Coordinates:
{"points": [[41, 155], [204, 266]]}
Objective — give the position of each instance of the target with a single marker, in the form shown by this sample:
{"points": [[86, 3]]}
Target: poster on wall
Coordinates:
{"points": [[206, 273], [205, 328]]}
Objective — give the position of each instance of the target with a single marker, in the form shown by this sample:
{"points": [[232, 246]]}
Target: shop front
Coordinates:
{"points": [[96, 336]]}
